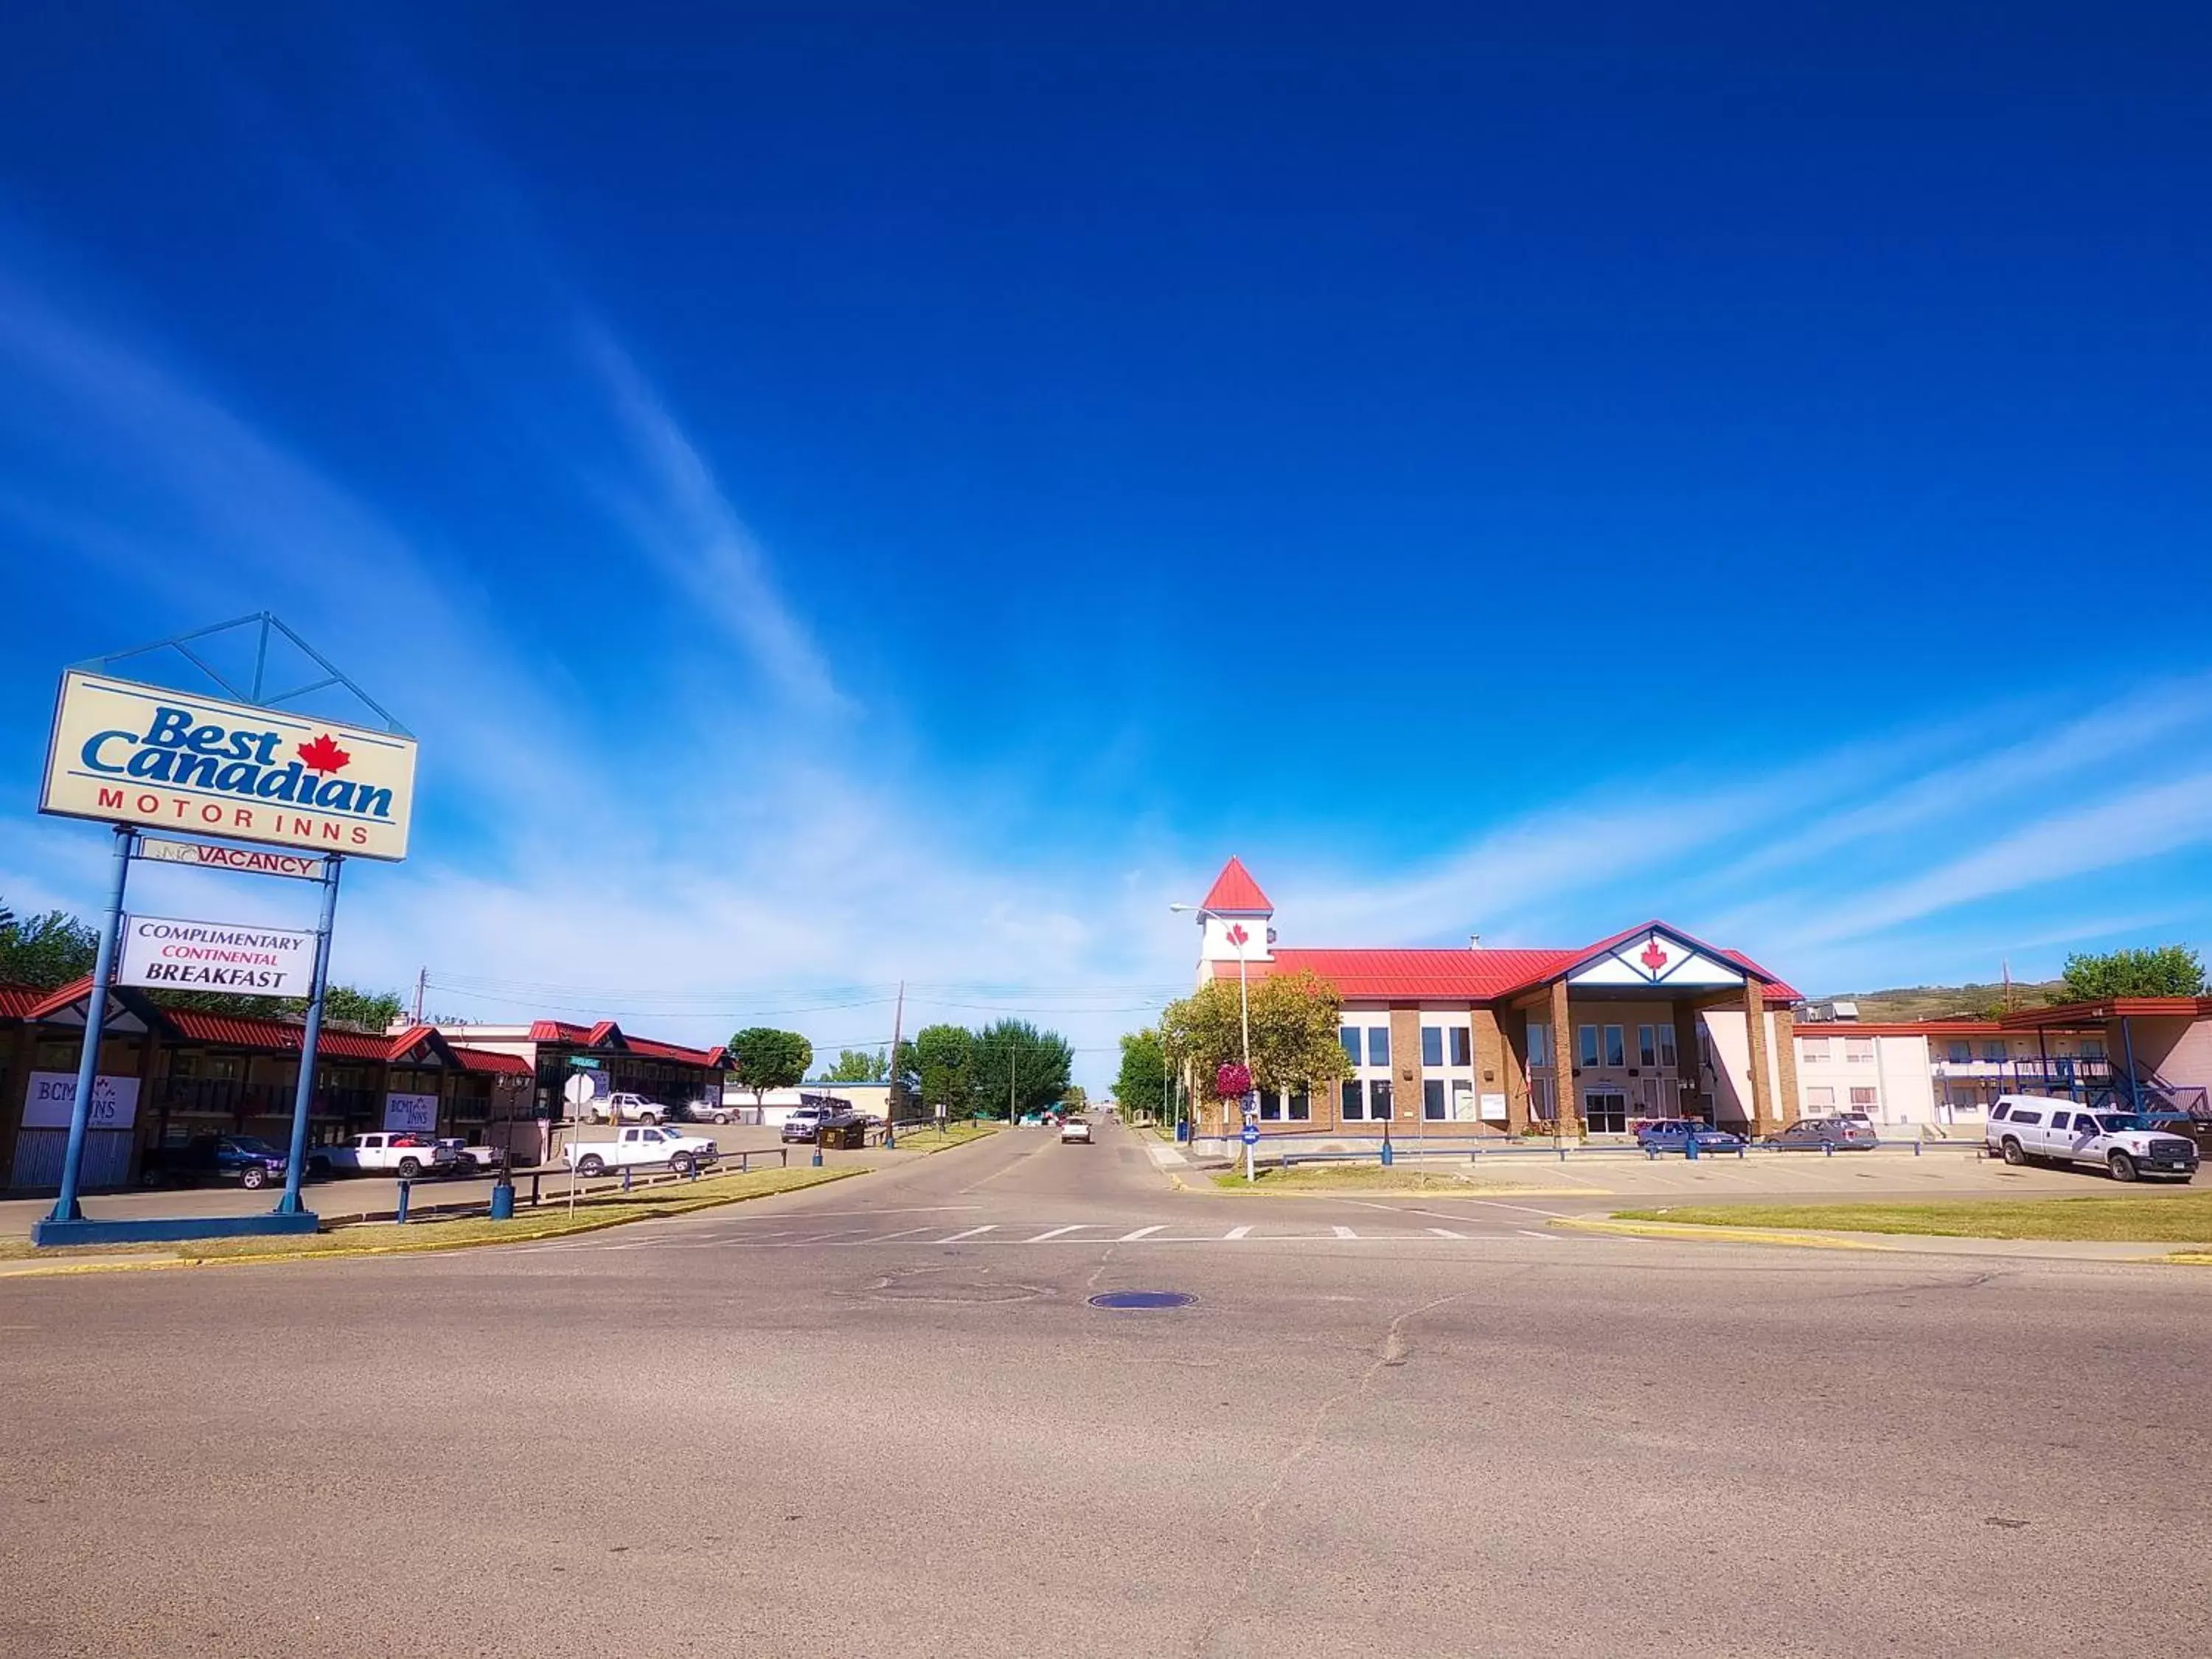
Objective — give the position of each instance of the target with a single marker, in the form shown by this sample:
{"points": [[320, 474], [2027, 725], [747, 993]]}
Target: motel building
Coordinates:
{"points": [[1457, 1042], [2154, 1052], [168, 1074]]}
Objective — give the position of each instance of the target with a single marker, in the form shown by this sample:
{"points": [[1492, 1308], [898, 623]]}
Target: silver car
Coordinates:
{"points": [[1813, 1134]]}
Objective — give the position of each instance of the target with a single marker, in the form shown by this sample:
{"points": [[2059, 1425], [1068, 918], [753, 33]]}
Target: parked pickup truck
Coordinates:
{"points": [[246, 1159], [401, 1152], [640, 1148], [627, 1108]]}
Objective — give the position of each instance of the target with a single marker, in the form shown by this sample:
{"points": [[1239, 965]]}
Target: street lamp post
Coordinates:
{"points": [[1239, 938]]}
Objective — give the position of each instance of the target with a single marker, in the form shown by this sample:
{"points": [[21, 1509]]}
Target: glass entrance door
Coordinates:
{"points": [[1605, 1112]]}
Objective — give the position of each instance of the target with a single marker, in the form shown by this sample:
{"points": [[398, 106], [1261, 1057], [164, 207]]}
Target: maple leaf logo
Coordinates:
{"points": [[1237, 935], [323, 756], [1655, 956]]}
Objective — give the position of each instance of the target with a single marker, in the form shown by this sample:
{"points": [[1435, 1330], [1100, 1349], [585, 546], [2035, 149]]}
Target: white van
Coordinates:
{"points": [[2023, 1129]]}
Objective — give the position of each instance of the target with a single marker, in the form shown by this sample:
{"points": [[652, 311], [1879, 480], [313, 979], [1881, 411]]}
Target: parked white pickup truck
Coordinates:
{"points": [[639, 1148], [627, 1108], [401, 1152]]}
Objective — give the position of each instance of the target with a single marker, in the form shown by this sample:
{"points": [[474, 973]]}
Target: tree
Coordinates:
{"points": [[2169, 970], [763, 1058], [857, 1066], [342, 1005], [944, 1060], [1294, 1019], [1019, 1068], [1142, 1084], [1075, 1099], [48, 952]]}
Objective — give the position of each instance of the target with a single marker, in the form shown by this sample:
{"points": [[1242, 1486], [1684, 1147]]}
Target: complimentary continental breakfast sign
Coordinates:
{"points": [[128, 753], [217, 955]]}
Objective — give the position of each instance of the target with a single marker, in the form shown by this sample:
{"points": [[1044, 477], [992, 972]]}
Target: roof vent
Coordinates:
{"points": [[1474, 941]]}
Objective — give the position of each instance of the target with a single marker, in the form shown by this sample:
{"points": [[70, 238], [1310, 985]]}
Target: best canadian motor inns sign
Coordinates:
{"points": [[127, 753]]}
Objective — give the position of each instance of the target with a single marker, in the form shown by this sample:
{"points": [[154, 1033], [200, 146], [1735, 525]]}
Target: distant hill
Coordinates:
{"points": [[1921, 1002]]}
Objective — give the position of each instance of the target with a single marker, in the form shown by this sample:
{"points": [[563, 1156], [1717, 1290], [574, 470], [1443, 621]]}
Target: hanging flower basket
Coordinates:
{"points": [[1231, 1082]]}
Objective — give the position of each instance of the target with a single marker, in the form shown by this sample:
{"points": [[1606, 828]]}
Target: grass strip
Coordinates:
{"points": [[552, 1219], [2131, 1218], [934, 1139]]}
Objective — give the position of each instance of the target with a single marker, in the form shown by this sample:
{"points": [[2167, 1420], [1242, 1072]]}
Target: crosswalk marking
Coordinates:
{"points": [[973, 1232], [1236, 1232], [1141, 1232], [1446, 1232], [1057, 1231], [1345, 1232]]}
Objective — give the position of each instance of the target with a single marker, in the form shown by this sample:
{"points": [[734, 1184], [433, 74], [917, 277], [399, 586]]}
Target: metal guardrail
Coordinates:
{"points": [[1562, 1151]]}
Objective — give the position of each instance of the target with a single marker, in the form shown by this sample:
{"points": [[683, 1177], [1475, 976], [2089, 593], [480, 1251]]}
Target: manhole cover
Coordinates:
{"points": [[1143, 1300]]}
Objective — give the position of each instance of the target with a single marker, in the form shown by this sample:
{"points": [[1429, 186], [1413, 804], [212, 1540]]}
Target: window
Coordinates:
{"points": [[1539, 1043], [2092, 1048], [1647, 1045], [1271, 1106], [1542, 1092], [1997, 1113], [1666, 1045], [1616, 1051], [1378, 1046], [1858, 1050], [1820, 1094], [1301, 1109], [1815, 1049], [1349, 1036], [2029, 1118], [2058, 1120], [1432, 1099], [1432, 1045], [1462, 1046], [1650, 1096], [1354, 1102], [1462, 1094], [1861, 1098], [1586, 1045], [1378, 1098], [1960, 1053], [1994, 1051]]}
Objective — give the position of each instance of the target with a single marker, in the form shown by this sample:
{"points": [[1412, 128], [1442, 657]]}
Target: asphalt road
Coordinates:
{"points": [[880, 1418]]}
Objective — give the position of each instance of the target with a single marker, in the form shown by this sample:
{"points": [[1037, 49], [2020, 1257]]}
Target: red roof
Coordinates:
{"points": [[482, 1059], [2094, 1013], [652, 1050], [1234, 890], [16, 1001], [1475, 976], [280, 1035]]}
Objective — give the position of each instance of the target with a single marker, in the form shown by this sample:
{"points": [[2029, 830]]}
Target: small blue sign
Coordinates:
{"points": [[1251, 1134]]}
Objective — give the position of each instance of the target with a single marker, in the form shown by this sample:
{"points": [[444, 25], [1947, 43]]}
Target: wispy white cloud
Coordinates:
{"points": [[685, 525]]}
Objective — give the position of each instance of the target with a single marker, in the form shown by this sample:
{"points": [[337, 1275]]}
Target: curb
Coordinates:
{"points": [[64, 1269], [1715, 1235]]}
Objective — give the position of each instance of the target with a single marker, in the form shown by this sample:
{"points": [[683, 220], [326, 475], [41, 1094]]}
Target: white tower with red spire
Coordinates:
{"points": [[1233, 918]]}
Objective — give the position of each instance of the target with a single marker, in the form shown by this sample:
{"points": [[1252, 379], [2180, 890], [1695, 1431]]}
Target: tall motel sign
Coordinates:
{"points": [[185, 778]]}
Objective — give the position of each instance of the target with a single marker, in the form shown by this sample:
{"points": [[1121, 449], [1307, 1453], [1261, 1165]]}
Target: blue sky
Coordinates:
{"points": [[845, 496]]}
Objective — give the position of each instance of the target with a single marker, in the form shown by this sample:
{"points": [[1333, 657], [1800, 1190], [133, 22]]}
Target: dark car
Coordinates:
{"points": [[1671, 1134], [247, 1159], [1813, 1134]]}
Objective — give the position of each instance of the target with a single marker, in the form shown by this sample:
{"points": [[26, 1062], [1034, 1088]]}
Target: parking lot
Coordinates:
{"points": [[374, 1194]]}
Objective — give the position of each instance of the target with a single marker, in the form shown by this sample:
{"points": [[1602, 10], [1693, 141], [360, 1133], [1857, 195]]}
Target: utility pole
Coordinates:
{"points": [[1010, 1086], [422, 979], [891, 1096]]}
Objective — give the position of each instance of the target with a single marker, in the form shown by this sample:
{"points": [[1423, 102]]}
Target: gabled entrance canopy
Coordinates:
{"points": [[1657, 958]]}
